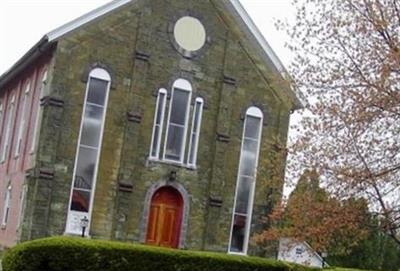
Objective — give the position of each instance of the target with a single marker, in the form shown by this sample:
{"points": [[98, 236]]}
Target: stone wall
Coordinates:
{"points": [[134, 44]]}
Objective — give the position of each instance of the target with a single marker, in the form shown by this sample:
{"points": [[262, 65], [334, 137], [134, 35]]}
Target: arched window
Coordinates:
{"points": [[89, 147], [243, 205], [39, 113], [195, 133], [7, 136], [158, 124], [1, 119], [178, 116], [176, 131], [6, 207], [24, 115]]}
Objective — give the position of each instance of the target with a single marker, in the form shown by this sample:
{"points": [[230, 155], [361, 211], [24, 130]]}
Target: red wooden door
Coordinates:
{"points": [[165, 218]]}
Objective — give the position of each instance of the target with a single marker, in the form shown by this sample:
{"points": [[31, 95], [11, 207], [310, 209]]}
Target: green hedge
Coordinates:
{"points": [[73, 254], [343, 269]]}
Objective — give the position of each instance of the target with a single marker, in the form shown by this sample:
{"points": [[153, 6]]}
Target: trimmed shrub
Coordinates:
{"points": [[78, 254]]}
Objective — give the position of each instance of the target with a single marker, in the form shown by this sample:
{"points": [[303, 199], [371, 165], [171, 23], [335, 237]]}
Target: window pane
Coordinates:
{"points": [[38, 113], [160, 108], [1, 119], [85, 167], [196, 117], [243, 195], [179, 106], [158, 124], [80, 201], [155, 141], [92, 125], [1, 124], [245, 183], [8, 126], [195, 133], [192, 149], [252, 129], [22, 121], [174, 143], [6, 215], [97, 91], [248, 157], [238, 233]]}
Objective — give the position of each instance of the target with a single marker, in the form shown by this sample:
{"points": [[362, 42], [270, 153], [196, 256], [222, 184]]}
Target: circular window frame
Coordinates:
{"points": [[186, 53]]}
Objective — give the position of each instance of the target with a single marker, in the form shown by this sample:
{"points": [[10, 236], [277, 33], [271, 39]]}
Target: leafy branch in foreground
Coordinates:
{"points": [[347, 65]]}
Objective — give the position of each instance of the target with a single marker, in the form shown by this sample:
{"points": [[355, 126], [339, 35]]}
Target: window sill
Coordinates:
{"points": [[169, 162], [87, 236], [237, 253]]}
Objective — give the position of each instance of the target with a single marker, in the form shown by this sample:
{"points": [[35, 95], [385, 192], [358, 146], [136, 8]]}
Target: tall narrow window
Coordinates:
{"points": [[22, 122], [174, 148], [7, 136], [89, 147], [39, 114], [22, 201], [245, 185], [195, 133], [1, 119], [6, 207], [158, 124]]}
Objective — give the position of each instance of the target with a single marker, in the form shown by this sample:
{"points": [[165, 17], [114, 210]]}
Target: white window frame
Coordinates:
{"points": [[9, 121], [73, 216], [1, 119], [22, 121], [39, 114], [164, 92], [7, 206], [257, 113], [22, 201], [183, 85], [199, 101]]}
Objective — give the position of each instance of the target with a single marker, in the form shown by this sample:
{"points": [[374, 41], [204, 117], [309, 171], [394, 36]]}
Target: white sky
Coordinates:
{"points": [[24, 22]]}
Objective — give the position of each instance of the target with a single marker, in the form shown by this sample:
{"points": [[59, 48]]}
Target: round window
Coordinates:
{"points": [[190, 33]]}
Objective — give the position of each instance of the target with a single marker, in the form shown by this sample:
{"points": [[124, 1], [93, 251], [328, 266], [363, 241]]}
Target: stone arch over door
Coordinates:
{"points": [[146, 211]]}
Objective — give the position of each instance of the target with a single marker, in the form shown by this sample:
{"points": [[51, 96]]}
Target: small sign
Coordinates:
{"points": [[74, 222]]}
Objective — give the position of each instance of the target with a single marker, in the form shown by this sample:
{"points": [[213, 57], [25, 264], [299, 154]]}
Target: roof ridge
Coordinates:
{"points": [[84, 19]]}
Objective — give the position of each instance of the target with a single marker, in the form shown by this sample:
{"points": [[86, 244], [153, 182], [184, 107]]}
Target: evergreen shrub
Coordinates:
{"points": [[79, 254]]}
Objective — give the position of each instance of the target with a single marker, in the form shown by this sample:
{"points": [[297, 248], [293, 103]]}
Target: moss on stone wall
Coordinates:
{"points": [[113, 42]]}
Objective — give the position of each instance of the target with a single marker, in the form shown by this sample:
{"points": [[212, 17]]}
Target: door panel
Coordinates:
{"points": [[153, 222], [168, 229], [164, 224]]}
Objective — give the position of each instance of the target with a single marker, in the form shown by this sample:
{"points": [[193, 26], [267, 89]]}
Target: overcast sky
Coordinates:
{"points": [[24, 22]]}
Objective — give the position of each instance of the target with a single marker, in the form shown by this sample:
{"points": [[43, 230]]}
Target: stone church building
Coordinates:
{"points": [[156, 120]]}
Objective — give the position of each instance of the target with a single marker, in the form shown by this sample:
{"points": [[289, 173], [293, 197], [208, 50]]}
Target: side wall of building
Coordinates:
{"points": [[19, 101]]}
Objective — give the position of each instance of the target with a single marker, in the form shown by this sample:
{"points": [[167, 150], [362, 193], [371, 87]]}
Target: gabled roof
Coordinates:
{"points": [[86, 18], [249, 23], [234, 6], [237, 6]]}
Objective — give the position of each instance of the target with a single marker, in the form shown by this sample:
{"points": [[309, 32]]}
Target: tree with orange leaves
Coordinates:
{"points": [[347, 66], [311, 215]]}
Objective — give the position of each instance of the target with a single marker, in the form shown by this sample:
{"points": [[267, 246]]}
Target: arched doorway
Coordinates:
{"points": [[165, 218]]}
